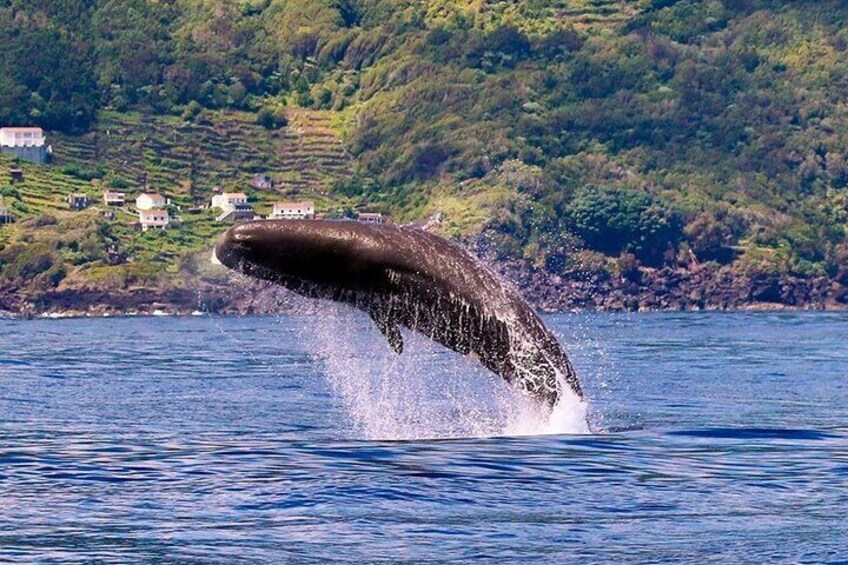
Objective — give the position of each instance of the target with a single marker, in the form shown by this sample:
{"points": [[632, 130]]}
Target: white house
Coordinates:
{"points": [[303, 210], [112, 198], [153, 219], [237, 213], [149, 201], [25, 143], [21, 137], [229, 200]]}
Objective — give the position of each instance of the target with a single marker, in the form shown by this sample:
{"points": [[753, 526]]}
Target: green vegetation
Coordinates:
{"points": [[188, 163], [644, 128], [614, 220]]}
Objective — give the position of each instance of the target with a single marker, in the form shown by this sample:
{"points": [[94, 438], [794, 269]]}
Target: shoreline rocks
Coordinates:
{"points": [[706, 287]]}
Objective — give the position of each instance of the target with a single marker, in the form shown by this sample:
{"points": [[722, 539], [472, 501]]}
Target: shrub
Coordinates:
{"points": [[272, 118], [21, 263], [711, 239], [192, 110], [84, 174], [613, 220], [509, 41], [10, 192], [45, 220], [54, 275]]}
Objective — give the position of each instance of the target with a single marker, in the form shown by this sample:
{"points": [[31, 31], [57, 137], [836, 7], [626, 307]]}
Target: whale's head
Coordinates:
{"points": [[292, 252]]}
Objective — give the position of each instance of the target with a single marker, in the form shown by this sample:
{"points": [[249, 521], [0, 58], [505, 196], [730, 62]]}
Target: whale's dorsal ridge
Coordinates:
{"points": [[412, 278]]}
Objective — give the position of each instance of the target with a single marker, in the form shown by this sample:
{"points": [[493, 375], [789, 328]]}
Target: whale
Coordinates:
{"points": [[402, 276]]}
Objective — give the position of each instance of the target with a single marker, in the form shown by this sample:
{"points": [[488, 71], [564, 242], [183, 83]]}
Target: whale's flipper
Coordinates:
{"points": [[389, 328]]}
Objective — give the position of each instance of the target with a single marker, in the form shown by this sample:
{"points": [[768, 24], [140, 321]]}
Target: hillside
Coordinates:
{"points": [[53, 248], [584, 140]]}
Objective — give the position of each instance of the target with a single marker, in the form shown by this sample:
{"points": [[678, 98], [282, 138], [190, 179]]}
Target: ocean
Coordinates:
{"points": [[712, 437]]}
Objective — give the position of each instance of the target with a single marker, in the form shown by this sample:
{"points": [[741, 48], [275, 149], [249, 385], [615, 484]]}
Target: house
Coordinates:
{"points": [[5, 216], [302, 210], [371, 217], [150, 200], [77, 201], [153, 219], [233, 205], [17, 175], [112, 198], [21, 137], [229, 200], [262, 182], [237, 213], [27, 143]]}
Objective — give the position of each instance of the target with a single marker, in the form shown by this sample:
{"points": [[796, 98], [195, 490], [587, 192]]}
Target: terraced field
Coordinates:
{"points": [[188, 161], [544, 16], [185, 161], [598, 13], [43, 190]]}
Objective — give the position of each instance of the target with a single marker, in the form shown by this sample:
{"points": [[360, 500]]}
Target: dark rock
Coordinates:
{"points": [[765, 289]]}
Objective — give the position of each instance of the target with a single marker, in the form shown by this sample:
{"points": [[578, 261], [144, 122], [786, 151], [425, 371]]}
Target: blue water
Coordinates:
{"points": [[720, 438]]}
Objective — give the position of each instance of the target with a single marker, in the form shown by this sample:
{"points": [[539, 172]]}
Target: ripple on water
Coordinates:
{"points": [[226, 441]]}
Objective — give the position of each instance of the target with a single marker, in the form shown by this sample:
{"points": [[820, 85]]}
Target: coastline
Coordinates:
{"points": [[76, 315], [706, 288]]}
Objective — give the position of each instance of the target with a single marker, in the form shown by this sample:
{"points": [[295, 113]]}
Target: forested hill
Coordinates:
{"points": [[580, 135]]}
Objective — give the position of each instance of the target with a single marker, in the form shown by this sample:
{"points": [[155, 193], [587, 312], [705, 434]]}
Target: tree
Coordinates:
{"points": [[613, 220]]}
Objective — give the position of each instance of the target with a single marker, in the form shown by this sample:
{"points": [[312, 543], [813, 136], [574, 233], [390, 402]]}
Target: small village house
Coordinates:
{"points": [[5, 216], [371, 217], [237, 213], [77, 201], [302, 210], [262, 182], [21, 137], [150, 200], [112, 198], [229, 200], [27, 143], [17, 175], [153, 219], [233, 206]]}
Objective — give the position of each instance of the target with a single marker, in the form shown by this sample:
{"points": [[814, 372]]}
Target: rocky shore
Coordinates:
{"points": [[242, 298], [706, 287]]}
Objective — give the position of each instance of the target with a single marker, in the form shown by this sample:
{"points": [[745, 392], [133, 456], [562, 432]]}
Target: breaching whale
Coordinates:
{"points": [[404, 276]]}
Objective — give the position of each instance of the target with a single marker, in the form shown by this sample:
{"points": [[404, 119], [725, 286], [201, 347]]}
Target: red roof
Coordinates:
{"points": [[23, 130]]}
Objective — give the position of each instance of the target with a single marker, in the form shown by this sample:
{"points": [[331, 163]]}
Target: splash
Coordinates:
{"points": [[427, 392]]}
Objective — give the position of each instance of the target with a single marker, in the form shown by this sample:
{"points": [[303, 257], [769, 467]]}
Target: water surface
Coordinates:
{"points": [[720, 437]]}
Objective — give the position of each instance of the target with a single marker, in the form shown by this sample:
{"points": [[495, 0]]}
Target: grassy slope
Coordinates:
{"points": [[732, 114], [780, 184], [186, 162]]}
